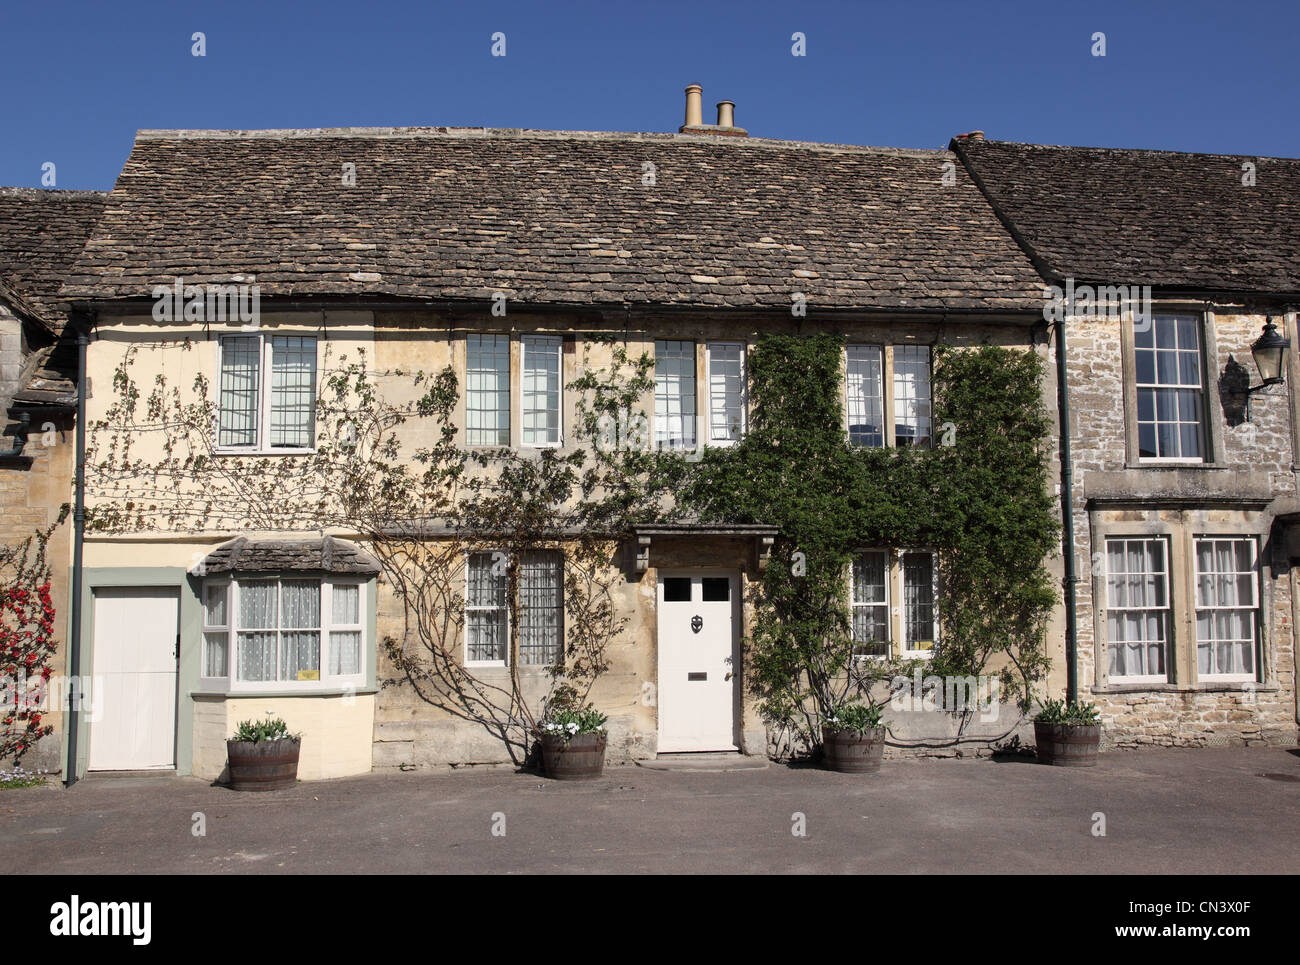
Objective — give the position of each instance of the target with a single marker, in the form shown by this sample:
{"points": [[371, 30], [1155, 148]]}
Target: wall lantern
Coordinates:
{"points": [[1268, 350]]}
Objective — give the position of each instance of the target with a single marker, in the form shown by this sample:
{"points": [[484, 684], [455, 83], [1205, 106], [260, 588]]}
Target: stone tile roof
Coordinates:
{"points": [[1159, 218], [42, 232], [553, 217], [328, 555]]}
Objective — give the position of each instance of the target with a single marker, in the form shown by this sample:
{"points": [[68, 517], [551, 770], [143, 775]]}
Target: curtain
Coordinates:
{"points": [[300, 636], [485, 609]]}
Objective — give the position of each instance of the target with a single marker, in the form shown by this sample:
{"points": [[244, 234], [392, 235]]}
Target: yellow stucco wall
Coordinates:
{"points": [[337, 731]]}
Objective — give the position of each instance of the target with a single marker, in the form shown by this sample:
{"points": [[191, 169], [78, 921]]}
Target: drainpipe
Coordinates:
{"points": [[1067, 511], [82, 325], [20, 436]]}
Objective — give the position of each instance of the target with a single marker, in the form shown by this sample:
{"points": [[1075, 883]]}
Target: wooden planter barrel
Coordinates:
{"points": [[1067, 745], [265, 766], [849, 752], [581, 758]]}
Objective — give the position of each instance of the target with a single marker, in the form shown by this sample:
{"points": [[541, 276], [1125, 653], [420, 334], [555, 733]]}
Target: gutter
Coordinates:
{"points": [[82, 325]]}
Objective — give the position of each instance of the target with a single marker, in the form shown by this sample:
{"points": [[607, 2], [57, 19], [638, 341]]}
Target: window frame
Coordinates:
{"points": [[525, 343], [1208, 432], [893, 414], [693, 396], [466, 608], [881, 397], [509, 390], [1169, 644], [708, 391], [887, 604], [265, 375], [905, 637], [1255, 610], [327, 681]]}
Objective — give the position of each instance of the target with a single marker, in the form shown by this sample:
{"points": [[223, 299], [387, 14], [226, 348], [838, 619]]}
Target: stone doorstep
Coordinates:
{"points": [[706, 762]]}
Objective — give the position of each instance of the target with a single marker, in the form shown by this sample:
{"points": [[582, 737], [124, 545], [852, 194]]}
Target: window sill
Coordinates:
{"points": [[295, 692], [1202, 687], [225, 453]]}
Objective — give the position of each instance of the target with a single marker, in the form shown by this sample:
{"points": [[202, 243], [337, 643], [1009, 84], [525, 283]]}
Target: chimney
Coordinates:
{"points": [[972, 136], [694, 110], [695, 118]]}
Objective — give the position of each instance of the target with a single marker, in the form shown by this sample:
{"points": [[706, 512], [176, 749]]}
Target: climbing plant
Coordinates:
{"points": [[978, 499]]}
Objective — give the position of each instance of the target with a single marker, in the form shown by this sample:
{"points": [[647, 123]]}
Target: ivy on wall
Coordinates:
{"points": [[979, 499]]}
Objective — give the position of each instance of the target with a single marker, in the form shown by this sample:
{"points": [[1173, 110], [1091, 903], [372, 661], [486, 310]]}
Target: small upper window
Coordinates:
{"points": [[1170, 388], [726, 392], [257, 413], [487, 390], [866, 403], [912, 395], [675, 393], [541, 390]]}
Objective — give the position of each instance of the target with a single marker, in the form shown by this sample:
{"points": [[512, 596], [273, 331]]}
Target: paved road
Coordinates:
{"points": [[1166, 811]]}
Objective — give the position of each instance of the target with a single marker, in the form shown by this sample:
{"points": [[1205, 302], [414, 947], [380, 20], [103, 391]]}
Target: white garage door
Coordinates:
{"points": [[136, 643]]}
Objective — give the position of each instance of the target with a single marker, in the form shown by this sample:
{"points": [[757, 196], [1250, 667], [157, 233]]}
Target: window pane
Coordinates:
{"points": [[715, 589], [918, 600], [215, 647], [1170, 389], [256, 655], [726, 391], [870, 615], [912, 395], [345, 652], [485, 616], [214, 611], [864, 389], [541, 390], [540, 575], [487, 390], [293, 392], [1137, 606], [346, 604], [675, 393], [257, 605], [677, 589], [237, 395], [1227, 606]]}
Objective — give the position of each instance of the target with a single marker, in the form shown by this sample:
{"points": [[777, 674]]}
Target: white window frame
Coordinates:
{"points": [[1253, 609], [662, 440], [897, 399], [496, 336], [467, 607], [880, 397], [886, 605], [261, 445], [907, 650], [1166, 643], [213, 630], [709, 392], [327, 680], [528, 345], [1203, 431]]}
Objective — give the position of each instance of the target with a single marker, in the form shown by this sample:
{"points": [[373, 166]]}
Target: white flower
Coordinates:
{"points": [[571, 727]]}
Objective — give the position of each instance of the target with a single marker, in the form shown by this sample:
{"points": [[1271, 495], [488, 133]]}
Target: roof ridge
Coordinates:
{"points": [[521, 133], [26, 192], [1130, 150]]}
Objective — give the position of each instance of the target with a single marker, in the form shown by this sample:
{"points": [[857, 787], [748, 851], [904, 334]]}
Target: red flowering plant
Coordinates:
{"points": [[26, 644]]}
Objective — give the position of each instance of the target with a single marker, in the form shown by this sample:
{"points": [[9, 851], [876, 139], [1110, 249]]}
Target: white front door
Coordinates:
{"points": [[697, 643], [134, 685]]}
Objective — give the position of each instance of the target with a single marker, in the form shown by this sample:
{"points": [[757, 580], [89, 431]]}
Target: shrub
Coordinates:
{"points": [[271, 729], [1075, 714]]}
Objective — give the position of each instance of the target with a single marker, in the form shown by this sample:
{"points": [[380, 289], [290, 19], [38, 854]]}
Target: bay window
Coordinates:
{"points": [[268, 632]]}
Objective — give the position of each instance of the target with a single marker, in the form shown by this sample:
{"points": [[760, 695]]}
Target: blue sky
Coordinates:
{"points": [[81, 77]]}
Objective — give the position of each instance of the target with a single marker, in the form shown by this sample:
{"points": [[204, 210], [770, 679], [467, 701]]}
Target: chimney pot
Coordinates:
{"points": [[726, 114], [694, 106]]}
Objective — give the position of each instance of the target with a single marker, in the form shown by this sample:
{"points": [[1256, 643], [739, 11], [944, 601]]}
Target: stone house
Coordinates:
{"points": [[41, 233], [1183, 490], [502, 254]]}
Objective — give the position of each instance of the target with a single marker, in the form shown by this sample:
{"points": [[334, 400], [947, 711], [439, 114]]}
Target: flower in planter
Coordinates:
{"points": [[1073, 714], [853, 716], [271, 729]]}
